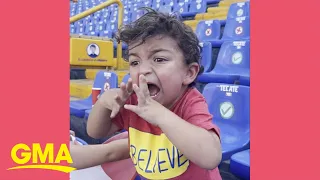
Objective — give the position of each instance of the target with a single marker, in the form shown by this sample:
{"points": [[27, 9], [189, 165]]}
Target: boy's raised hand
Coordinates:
{"points": [[121, 97], [147, 108]]}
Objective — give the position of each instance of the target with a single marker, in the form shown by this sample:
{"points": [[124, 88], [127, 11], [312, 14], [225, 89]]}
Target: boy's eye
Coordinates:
{"points": [[159, 59], [134, 63]]}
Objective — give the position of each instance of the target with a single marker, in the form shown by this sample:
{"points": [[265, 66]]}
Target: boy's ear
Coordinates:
{"points": [[193, 70]]}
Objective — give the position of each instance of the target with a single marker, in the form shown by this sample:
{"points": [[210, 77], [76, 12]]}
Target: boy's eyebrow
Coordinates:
{"points": [[153, 51], [133, 54]]}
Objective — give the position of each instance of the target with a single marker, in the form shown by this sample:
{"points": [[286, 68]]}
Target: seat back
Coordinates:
{"points": [[125, 78], [229, 104], [206, 56], [198, 6], [181, 7], [239, 9], [237, 28], [208, 30], [234, 58], [105, 80]]}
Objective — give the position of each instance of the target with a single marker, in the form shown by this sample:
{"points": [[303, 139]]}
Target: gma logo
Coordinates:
{"points": [[47, 159]]}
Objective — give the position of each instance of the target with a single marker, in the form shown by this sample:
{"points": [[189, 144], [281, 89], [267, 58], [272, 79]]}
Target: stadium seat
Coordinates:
{"points": [[240, 164], [239, 9], [206, 56], [213, 1], [198, 6], [244, 80], [165, 8], [209, 31], [125, 78], [233, 62], [90, 29], [136, 14], [88, 111], [80, 29], [78, 107], [156, 4], [82, 142], [230, 107], [237, 29], [181, 8], [72, 29]]}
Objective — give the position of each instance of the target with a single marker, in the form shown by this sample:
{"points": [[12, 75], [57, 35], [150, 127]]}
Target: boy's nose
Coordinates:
{"points": [[145, 69]]}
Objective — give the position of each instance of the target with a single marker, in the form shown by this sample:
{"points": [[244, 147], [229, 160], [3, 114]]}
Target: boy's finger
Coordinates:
{"points": [[139, 93], [132, 108], [123, 89], [114, 112], [129, 86], [143, 85]]}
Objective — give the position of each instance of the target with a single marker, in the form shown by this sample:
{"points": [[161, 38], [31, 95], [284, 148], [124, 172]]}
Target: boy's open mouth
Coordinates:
{"points": [[153, 90]]}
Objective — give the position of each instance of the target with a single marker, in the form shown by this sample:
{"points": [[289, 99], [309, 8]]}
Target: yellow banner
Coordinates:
{"points": [[91, 52]]}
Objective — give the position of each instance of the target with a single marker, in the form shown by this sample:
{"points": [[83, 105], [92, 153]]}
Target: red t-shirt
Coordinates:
{"points": [[152, 153]]}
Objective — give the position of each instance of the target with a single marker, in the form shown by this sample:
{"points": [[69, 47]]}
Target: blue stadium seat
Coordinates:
{"points": [[80, 29], [213, 1], [88, 111], [136, 15], [169, 2], [156, 4], [125, 78], [166, 8], [90, 28], [181, 8], [82, 142], [78, 107], [237, 29], [112, 26], [230, 107], [100, 27], [240, 164], [206, 56], [209, 31], [233, 62], [105, 33], [198, 6], [72, 29], [244, 80], [239, 9], [147, 3]]}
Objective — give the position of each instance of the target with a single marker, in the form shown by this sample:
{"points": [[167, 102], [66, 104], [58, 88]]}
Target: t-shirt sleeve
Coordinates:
{"points": [[197, 113]]}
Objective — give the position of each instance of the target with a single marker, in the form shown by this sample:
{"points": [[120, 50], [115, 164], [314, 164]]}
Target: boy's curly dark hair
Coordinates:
{"points": [[154, 23]]}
